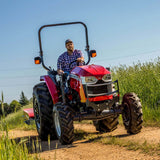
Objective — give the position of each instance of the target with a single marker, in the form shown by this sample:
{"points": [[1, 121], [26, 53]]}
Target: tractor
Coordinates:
{"points": [[87, 93]]}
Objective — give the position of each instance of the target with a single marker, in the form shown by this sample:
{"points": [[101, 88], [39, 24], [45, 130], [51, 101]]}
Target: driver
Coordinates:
{"points": [[67, 57]]}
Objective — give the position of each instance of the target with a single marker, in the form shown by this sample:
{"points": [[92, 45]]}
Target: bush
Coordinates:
{"points": [[7, 109], [15, 106]]}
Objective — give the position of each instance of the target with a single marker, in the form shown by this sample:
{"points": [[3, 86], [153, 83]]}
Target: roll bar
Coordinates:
{"points": [[60, 24]]}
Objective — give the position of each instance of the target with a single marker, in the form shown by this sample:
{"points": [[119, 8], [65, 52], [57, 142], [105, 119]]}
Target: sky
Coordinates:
{"points": [[121, 31]]}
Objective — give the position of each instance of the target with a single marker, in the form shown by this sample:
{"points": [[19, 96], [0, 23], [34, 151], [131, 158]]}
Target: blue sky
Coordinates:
{"points": [[122, 32]]}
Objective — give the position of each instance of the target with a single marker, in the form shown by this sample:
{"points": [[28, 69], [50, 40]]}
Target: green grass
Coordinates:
{"points": [[16, 120], [12, 149], [144, 80], [131, 145]]}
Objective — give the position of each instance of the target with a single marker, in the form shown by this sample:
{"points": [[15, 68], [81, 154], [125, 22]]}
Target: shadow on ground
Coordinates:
{"points": [[35, 145]]}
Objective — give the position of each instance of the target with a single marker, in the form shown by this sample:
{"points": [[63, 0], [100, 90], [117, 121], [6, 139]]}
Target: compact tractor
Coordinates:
{"points": [[87, 93]]}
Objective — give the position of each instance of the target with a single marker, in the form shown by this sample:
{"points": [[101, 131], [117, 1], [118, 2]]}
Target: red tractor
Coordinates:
{"points": [[91, 95]]}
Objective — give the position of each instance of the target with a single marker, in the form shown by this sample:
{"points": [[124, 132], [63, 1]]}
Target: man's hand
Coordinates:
{"points": [[81, 59], [59, 71]]}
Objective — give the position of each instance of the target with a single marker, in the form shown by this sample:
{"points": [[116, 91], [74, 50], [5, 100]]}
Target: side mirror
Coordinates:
{"points": [[37, 60], [92, 53]]}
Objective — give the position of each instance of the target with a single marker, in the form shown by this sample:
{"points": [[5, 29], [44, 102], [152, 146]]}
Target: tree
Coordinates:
{"points": [[15, 106], [7, 109], [31, 100], [23, 99]]}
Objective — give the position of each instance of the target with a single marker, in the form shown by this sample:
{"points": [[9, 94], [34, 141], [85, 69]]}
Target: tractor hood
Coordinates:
{"points": [[90, 70]]}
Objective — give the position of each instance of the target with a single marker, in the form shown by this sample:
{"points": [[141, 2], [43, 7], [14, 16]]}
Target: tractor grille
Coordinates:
{"points": [[98, 89]]}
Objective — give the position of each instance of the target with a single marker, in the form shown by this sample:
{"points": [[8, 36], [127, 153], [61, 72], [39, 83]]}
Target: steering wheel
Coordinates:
{"points": [[77, 63]]}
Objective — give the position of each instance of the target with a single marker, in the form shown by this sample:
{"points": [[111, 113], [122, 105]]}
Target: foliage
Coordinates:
{"points": [[15, 106], [144, 80], [10, 148], [23, 99], [16, 120], [6, 109], [31, 100]]}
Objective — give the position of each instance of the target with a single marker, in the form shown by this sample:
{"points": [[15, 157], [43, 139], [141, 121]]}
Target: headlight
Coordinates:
{"points": [[106, 77], [89, 80]]}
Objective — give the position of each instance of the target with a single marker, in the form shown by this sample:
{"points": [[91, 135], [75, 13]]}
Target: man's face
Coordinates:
{"points": [[70, 47]]}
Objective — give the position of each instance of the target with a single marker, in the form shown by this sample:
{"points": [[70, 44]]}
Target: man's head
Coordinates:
{"points": [[69, 45]]}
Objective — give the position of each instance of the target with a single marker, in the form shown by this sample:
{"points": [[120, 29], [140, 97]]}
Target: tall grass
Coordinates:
{"points": [[144, 80], [16, 120], [10, 149]]}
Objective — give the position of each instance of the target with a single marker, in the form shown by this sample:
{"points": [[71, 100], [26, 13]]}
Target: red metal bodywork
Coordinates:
{"points": [[29, 112], [101, 98], [89, 70], [51, 87]]}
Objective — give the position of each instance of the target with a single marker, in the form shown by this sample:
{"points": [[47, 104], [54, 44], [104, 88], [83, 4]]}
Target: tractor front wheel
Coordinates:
{"points": [[63, 120], [132, 113]]}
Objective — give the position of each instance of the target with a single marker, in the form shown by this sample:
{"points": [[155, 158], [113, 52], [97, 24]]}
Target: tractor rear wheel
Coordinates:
{"points": [[106, 125], [43, 110], [63, 119], [132, 113]]}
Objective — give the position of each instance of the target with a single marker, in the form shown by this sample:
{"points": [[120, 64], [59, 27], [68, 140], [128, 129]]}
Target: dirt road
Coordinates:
{"points": [[87, 150]]}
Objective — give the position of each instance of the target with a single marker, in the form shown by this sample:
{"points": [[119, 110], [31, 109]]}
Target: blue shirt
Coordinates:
{"points": [[65, 59]]}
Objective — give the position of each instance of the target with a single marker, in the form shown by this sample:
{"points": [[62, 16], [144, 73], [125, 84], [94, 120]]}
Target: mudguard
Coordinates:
{"points": [[51, 87]]}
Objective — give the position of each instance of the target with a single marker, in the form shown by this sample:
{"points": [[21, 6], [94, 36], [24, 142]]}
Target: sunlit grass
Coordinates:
{"points": [[10, 149], [144, 80], [16, 120]]}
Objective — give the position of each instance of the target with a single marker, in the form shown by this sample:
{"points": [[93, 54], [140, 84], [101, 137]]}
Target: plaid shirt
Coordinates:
{"points": [[64, 60]]}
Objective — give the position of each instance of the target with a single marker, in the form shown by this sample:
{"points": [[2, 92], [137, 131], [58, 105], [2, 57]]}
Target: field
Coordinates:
{"points": [[20, 141]]}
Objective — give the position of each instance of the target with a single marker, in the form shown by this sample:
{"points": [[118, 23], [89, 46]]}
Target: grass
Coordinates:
{"points": [[16, 120], [144, 80], [131, 145], [151, 117], [10, 149]]}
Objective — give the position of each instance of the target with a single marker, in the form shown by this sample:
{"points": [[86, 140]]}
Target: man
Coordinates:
{"points": [[69, 56]]}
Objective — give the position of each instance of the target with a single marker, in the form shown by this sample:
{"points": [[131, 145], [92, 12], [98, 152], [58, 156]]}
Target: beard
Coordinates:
{"points": [[70, 49]]}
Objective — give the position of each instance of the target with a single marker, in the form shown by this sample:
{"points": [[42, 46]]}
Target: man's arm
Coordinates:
{"points": [[80, 57], [59, 65]]}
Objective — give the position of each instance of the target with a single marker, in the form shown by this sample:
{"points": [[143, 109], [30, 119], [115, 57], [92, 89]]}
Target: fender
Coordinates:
{"points": [[51, 87]]}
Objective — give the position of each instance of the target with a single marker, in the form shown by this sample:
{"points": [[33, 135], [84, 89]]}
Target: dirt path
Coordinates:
{"points": [[86, 150]]}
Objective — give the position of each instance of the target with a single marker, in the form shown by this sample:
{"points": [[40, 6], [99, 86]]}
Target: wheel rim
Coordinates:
{"points": [[36, 113], [57, 123]]}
